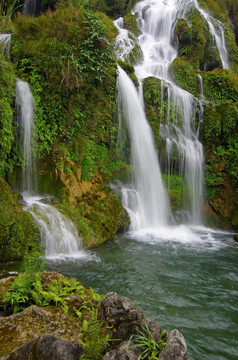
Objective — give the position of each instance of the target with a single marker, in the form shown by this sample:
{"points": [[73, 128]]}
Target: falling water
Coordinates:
{"points": [[156, 23], [5, 40], [25, 119], [32, 7], [217, 31], [143, 199], [58, 234]]}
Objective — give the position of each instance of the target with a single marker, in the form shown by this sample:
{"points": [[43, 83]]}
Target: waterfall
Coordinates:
{"points": [[5, 40], [25, 119], [32, 7], [216, 28], [146, 201], [58, 234], [156, 22]]}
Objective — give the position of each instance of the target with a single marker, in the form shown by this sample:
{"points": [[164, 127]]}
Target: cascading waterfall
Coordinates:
{"points": [[32, 7], [142, 200], [5, 40], [58, 234], [217, 31], [25, 115], [156, 22]]}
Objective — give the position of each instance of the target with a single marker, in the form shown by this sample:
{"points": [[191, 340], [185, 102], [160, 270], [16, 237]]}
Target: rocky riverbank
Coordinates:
{"points": [[60, 319]]}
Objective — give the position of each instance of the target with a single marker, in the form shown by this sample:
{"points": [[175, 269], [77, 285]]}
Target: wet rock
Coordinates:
{"points": [[125, 351], [235, 237], [47, 347], [123, 318], [33, 322], [176, 347]]}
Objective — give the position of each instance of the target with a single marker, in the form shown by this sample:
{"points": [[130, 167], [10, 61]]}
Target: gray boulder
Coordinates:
{"points": [[125, 351], [176, 347], [123, 318], [47, 347]]}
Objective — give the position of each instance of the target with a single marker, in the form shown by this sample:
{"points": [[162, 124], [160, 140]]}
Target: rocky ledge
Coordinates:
{"points": [[54, 332]]}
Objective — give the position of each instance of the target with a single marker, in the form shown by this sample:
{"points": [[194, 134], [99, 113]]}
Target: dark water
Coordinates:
{"points": [[184, 279]]}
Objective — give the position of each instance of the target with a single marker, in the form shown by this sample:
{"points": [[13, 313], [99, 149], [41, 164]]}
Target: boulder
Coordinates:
{"points": [[47, 347], [123, 318], [176, 347], [125, 351]]}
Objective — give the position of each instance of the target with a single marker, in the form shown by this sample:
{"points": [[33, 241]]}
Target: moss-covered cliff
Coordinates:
{"points": [[67, 57]]}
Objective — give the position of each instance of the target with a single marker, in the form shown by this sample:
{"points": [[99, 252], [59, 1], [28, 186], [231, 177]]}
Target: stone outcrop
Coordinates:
{"points": [[125, 320], [125, 351], [47, 347], [176, 347], [49, 333]]}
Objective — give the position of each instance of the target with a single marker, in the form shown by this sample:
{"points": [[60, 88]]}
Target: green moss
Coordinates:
{"points": [[18, 231], [153, 104], [98, 215], [219, 135], [220, 86], [176, 189], [130, 24], [184, 76], [7, 89], [194, 42], [136, 55], [130, 70]]}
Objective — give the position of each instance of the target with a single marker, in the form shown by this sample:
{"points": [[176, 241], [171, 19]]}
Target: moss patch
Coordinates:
{"points": [[18, 231]]}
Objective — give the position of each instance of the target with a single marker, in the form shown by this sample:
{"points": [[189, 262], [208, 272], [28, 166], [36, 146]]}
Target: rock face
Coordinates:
{"points": [[123, 318], [125, 351], [176, 348], [47, 347]]}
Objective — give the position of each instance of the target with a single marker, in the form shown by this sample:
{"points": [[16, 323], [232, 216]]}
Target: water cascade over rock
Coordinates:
{"points": [[156, 23], [5, 41], [58, 234], [148, 191]]}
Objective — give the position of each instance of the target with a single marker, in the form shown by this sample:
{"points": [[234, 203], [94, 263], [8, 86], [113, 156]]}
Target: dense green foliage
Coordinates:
{"points": [[18, 231], [7, 87], [33, 286], [184, 76]]}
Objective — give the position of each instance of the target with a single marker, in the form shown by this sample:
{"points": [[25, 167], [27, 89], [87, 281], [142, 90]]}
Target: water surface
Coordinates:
{"points": [[184, 278]]}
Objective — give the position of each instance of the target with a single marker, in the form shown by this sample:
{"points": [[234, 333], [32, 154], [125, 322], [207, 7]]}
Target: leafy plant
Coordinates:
{"points": [[94, 338], [20, 294], [146, 343]]}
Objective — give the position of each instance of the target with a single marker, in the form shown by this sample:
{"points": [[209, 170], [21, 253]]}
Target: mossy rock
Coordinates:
{"points": [[194, 42], [183, 31], [234, 219], [211, 128], [98, 215], [220, 85], [136, 55], [18, 231], [130, 24], [153, 104], [184, 76], [130, 70]]}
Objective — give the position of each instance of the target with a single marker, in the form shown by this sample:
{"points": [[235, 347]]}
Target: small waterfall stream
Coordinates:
{"points": [[58, 234], [156, 22], [5, 40]]}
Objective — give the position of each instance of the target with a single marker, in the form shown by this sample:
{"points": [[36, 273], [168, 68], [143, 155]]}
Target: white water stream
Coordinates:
{"points": [[58, 234], [5, 40], [142, 202], [156, 22]]}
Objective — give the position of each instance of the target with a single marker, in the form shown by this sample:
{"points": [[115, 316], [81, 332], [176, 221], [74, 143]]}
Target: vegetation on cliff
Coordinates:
{"points": [[67, 56]]}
